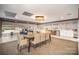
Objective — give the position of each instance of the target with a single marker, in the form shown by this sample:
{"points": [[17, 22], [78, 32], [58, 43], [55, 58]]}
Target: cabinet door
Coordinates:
{"points": [[69, 25], [75, 25], [62, 26]]}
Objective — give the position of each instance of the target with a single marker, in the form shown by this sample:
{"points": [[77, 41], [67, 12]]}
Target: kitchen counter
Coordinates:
{"points": [[65, 38]]}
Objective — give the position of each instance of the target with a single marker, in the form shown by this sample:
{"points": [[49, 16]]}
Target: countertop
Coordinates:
{"points": [[66, 38]]}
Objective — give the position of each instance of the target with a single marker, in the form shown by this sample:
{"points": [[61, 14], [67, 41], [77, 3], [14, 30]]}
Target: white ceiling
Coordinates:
{"points": [[52, 12]]}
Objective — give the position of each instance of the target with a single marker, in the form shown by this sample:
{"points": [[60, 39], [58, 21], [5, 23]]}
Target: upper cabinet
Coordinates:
{"points": [[55, 26], [69, 25]]}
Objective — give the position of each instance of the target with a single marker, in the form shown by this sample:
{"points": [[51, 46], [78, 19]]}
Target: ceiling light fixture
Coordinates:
{"points": [[39, 18]]}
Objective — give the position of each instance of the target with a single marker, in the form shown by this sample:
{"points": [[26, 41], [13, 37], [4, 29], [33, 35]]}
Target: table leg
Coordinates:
{"points": [[29, 45]]}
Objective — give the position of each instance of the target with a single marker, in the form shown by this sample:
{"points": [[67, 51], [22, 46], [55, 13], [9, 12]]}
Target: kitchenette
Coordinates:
{"points": [[67, 30]]}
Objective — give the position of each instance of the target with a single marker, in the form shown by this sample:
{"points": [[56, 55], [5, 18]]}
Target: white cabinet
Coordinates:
{"points": [[68, 25], [75, 25], [55, 26]]}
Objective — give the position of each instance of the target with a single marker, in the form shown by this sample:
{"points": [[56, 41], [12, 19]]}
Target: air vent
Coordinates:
{"points": [[27, 14], [9, 14]]}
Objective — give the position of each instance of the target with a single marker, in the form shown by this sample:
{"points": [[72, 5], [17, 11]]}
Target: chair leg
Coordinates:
{"points": [[19, 47]]}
